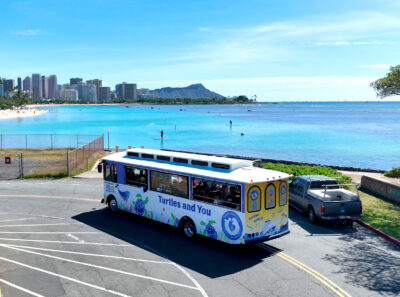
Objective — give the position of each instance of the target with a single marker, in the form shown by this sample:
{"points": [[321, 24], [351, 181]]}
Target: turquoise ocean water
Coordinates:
{"points": [[363, 134]]}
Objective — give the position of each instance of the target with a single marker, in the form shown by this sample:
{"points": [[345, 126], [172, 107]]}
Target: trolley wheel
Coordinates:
{"points": [[188, 228], [112, 204], [311, 215]]}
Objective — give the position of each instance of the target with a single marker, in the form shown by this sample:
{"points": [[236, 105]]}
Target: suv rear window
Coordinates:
{"points": [[319, 184]]}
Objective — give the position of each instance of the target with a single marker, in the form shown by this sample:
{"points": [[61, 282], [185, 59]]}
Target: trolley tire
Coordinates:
{"points": [[188, 228], [112, 204], [311, 215]]}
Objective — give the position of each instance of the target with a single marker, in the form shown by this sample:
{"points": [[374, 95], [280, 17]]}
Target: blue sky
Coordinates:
{"points": [[278, 50]]}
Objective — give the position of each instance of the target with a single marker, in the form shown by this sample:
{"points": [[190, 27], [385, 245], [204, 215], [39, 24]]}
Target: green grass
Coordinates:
{"points": [[394, 172], [91, 162], [297, 170], [381, 214]]}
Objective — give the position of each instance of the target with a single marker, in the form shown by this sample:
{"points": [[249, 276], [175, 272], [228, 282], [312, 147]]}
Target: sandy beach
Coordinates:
{"points": [[20, 113]]}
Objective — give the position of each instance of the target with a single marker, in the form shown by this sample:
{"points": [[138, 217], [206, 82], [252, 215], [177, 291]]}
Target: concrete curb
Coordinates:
{"points": [[380, 233]]}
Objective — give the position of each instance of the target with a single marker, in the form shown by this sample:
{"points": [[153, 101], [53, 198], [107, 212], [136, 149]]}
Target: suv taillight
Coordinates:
{"points": [[322, 208]]}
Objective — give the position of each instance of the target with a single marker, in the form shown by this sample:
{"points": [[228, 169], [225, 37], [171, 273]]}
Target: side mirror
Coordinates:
{"points": [[100, 167]]}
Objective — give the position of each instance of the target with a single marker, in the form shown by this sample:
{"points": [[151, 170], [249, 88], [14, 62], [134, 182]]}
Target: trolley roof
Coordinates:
{"points": [[239, 170]]}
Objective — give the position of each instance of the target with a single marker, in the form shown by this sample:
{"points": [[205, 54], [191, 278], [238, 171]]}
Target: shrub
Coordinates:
{"points": [[394, 172], [297, 170]]}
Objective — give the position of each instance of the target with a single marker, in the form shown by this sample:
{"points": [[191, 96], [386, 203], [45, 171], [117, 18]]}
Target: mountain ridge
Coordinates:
{"points": [[193, 91]]}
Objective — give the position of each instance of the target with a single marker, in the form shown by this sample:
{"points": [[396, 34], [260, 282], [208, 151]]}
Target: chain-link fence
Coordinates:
{"points": [[18, 163], [49, 141]]}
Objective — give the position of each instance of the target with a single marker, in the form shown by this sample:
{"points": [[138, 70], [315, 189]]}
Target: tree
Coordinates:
{"points": [[388, 85]]}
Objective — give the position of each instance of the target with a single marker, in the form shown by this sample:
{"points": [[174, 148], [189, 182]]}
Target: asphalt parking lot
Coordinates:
{"points": [[56, 239]]}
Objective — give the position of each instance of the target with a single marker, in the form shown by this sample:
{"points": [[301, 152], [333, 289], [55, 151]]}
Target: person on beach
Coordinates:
{"points": [[162, 134]]}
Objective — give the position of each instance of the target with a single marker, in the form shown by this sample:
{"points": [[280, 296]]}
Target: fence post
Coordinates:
{"points": [[67, 165], [21, 165]]}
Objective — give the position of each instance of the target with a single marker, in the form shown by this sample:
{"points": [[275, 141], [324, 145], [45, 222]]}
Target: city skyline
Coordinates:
{"points": [[279, 51]]}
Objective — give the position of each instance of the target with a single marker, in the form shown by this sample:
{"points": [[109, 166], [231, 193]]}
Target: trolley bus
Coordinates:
{"points": [[222, 198]]}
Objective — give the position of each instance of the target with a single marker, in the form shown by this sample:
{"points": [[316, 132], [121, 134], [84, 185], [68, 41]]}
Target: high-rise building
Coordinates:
{"points": [[45, 87], [97, 82], [104, 94], [52, 91], [37, 86], [58, 94], [126, 91], [86, 92], [75, 81], [8, 86], [1, 88], [144, 94], [27, 84], [69, 94], [19, 83]]}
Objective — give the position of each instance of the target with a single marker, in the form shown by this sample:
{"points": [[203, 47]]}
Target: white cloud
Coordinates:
{"points": [[378, 66], [29, 32]]}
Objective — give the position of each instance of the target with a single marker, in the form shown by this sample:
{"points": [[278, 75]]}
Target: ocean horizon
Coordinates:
{"points": [[344, 133]]}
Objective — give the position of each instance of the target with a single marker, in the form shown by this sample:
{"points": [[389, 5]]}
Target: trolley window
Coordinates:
{"points": [[218, 193], [254, 199], [221, 166], [132, 154], [164, 158], [181, 160], [283, 193], [270, 196], [168, 183], [136, 177], [199, 163], [110, 173]]}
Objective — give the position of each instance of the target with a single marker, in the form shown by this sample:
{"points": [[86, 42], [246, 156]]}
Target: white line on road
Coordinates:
{"points": [[202, 291], [39, 225], [379, 248], [75, 238], [146, 247], [101, 267], [66, 242], [20, 288], [12, 220], [43, 232], [65, 277], [32, 214], [93, 255]]}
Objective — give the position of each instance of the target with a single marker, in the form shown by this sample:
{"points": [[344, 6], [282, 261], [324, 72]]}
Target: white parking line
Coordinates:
{"points": [[39, 225], [65, 277], [93, 255], [66, 242], [12, 220], [75, 237], [31, 214], [20, 288], [43, 232], [101, 267], [381, 249]]}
